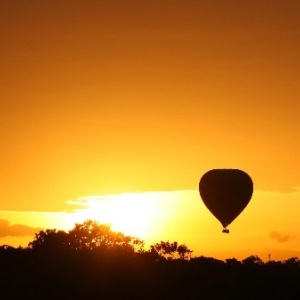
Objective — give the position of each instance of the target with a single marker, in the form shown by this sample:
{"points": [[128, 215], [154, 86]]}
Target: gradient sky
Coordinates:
{"points": [[109, 97]]}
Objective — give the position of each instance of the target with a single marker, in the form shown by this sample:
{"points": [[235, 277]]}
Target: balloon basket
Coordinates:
{"points": [[225, 230]]}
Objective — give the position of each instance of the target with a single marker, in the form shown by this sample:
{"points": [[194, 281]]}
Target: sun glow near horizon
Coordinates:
{"points": [[181, 216], [131, 213], [151, 216]]}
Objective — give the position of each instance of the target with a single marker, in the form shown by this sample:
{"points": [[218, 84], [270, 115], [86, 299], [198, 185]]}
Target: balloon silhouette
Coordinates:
{"points": [[226, 192]]}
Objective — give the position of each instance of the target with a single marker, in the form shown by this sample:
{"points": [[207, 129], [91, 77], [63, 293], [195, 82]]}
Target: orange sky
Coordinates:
{"points": [[106, 97]]}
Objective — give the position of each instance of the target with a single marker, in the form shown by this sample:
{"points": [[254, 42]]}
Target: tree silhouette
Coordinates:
{"points": [[89, 235], [93, 261], [232, 262], [252, 260], [50, 239], [292, 262], [93, 235], [170, 251], [184, 252]]}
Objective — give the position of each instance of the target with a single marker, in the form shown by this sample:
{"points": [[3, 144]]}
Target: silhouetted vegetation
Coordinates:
{"points": [[91, 261], [170, 250]]}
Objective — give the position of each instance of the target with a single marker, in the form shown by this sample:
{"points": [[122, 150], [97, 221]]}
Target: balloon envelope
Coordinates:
{"points": [[226, 192]]}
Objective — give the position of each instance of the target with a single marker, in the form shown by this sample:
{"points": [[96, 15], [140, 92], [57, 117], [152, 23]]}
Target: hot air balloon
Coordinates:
{"points": [[226, 192]]}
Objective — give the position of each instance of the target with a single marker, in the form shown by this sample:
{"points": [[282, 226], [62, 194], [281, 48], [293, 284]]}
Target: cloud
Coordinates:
{"points": [[7, 229], [280, 238]]}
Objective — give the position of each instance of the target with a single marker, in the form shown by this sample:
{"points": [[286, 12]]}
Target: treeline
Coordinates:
{"points": [[92, 261]]}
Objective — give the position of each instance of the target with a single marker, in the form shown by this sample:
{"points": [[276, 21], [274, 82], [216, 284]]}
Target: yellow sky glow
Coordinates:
{"points": [[138, 99]]}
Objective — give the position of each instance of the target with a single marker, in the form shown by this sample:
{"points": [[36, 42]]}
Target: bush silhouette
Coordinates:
{"points": [[92, 261]]}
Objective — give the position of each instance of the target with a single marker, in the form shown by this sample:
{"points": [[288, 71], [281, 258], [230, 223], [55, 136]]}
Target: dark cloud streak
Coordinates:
{"points": [[7, 229], [280, 238]]}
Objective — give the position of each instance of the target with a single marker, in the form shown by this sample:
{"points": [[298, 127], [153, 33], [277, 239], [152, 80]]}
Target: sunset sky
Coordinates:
{"points": [[114, 109]]}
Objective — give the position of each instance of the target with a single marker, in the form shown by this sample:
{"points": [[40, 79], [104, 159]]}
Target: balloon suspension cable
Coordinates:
{"points": [[225, 230]]}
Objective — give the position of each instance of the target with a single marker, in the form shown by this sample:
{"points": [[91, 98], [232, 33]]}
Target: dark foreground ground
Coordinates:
{"points": [[28, 274]]}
